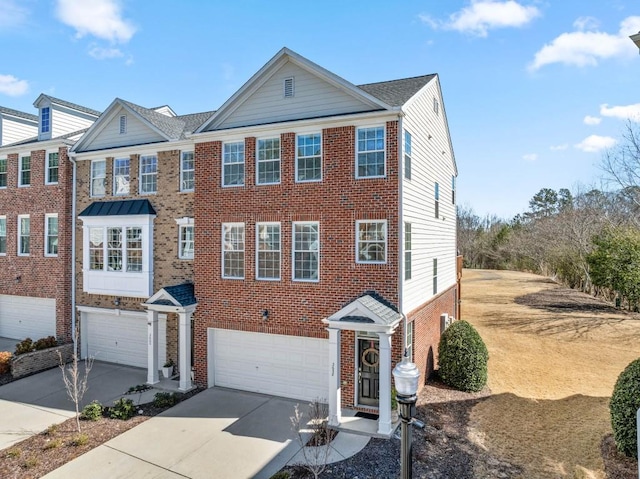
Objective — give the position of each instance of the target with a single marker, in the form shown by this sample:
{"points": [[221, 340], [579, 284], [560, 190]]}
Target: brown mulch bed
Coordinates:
{"points": [[616, 465], [42, 453]]}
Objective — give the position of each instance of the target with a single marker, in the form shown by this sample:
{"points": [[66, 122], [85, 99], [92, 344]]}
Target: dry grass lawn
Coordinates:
{"points": [[553, 363]]}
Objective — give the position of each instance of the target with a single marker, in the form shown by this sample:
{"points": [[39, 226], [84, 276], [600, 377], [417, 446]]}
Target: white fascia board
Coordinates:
{"points": [[145, 149]]}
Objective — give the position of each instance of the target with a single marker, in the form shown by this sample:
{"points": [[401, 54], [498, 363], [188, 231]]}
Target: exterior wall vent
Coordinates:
{"points": [[288, 87], [123, 124]]}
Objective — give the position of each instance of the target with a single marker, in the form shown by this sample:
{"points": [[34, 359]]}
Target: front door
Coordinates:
{"points": [[368, 371]]}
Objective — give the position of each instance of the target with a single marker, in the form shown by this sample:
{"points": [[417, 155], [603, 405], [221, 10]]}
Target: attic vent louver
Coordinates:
{"points": [[288, 87], [123, 124]]}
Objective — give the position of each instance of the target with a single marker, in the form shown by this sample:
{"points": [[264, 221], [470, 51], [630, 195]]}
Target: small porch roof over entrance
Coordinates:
{"points": [[179, 297], [366, 313]]}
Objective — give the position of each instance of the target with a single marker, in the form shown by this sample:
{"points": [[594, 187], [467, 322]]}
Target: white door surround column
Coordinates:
{"points": [[335, 392], [153, 365], [184, 349], [384, 404]]}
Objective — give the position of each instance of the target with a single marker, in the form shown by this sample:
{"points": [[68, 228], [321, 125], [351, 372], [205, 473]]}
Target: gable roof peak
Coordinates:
{"points": [[74, 106]]}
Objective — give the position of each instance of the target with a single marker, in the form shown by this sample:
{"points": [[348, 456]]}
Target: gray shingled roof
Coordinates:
{"points": [[182, 293], [119, 208], [174, 127], [384, 312], [74, 106], [396, 92], [19, 114], [194, 120]]}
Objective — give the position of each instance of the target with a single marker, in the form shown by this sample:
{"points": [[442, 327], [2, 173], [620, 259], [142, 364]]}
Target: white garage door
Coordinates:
{"points": [[27, 317], [289, 366], [121, 339]]}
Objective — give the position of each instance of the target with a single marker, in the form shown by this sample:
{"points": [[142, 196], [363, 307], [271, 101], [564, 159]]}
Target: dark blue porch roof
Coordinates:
{"points": [[182, 293], [119, 208]]}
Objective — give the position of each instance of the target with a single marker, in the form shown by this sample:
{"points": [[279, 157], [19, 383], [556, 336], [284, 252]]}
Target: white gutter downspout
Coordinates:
{"points": [[401, 223], [73, 251]]}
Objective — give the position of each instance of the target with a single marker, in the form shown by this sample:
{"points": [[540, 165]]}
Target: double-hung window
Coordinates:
{"points": [[3, 235], [268, 167], [148, 174], [407, 155], [121, 176], [3, 172], [268, 251], [233, 164], [371, 241], [407, 251], [45, 119], [370, 156], [187, 171], [98, 177], [51, 234], [309, 157], [408, 345], [185, 238], [233, 250], [52, 168], [306, 251], [24, 235], [24, 175]]}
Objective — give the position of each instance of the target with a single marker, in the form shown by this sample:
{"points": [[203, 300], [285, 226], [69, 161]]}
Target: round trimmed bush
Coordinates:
{"points": [[462, 357], [624, 405]]}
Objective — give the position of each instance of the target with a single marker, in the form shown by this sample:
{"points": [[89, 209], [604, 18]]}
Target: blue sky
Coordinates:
{"points": [[534, 91]]}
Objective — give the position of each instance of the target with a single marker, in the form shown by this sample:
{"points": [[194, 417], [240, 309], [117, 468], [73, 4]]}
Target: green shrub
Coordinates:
{"points": [[45, 343], [92, 411], [24, 346], [624, 405], [5, 362], [462, 357], [122, 409], [165, 399]]}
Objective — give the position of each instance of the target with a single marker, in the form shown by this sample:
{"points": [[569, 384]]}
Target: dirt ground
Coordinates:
{"points": [[555, 355]]}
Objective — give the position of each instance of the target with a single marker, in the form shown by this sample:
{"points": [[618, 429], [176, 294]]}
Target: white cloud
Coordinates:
{"points": [[586, 23], [530, 157], [585, 48], [591, 120], [484, 15], [100, 53], [625, 112], [12, 14], [99, 18], [595, 143], [10, 85], [562, 147]]}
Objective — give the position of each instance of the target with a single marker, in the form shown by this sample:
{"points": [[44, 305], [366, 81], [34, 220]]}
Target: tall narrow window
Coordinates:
{"points": [[51, 234], [187, 171], [114, 249], [407, 251], [233, 164], [436, 195], [186, 245], [98, 177], [121, 178], [3, 235], [45, 120], [3, 172], [123, 124], [52, 168], [233, 250], [268, 251], [435, 276], [436, 105], [268, 161], [407, 155], [370, 162], [96, 249], [371, 241], [134, 249], [24, 177], [409, 340], [306, 248], [453, 190], [24, 235], [309, 157], [148, 174]]}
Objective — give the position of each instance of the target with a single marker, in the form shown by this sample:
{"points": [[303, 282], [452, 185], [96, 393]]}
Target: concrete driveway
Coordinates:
{"points": [[217, 433], [29, 405]]}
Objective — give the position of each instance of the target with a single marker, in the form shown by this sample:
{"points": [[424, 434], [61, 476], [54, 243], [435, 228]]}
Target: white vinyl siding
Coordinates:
{"points": [[371, 241], [64, 120], [98, 177], [13, 129], [52, 168], [233, 164], [233, 250], [268, 254], [51, 234], [306, 251]]}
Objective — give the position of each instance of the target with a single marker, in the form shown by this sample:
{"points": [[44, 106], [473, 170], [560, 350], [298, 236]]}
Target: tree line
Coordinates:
{"points": [[588, 239]]}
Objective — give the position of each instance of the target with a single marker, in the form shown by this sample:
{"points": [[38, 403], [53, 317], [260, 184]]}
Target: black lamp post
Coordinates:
{"points": [[406, 376]]}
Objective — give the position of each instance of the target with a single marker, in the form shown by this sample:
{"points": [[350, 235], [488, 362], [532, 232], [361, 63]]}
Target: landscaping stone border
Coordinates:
{"points": [[36, 361]]}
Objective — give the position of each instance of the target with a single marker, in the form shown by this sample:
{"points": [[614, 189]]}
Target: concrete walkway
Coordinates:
{"points": [[217, 433]]}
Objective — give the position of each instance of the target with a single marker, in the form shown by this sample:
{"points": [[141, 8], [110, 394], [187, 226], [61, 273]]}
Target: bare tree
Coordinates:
{"points": [[316, 449], [76, 381]]}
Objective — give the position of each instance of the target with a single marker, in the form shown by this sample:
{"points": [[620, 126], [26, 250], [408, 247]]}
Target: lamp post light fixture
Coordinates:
{"points": [[406, 377]]}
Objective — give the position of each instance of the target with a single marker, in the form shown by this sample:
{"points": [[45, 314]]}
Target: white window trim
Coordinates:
{"points": [[47, 181], [184, 223], [48, 130], [115, 177], [308, 133], [244, 251], [293, 251], [20, 156], [409, 251], [92, 194], [46, 235], [6, 171], [279, 250], [265, 161], [140, 174], [386, 241], [244, 162], [407, 154], [182, 171], [384, 149], [20, 218], [4, 218]]}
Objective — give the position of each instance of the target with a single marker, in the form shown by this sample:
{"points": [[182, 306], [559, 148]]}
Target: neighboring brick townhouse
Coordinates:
{"points": [[35, 218]]}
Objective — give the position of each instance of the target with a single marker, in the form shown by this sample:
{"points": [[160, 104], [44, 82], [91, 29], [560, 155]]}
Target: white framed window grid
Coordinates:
{"points": [[233, 247], [268, 252], [306, 251], [187, 171], [268, 161], [370, 152], [371, 241], [51, 234], [52, 168], [24, 235]]}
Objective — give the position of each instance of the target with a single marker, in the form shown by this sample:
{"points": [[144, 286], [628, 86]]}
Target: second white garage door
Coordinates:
{"points": [[120, 339], [288, 366], [27, 317]]}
